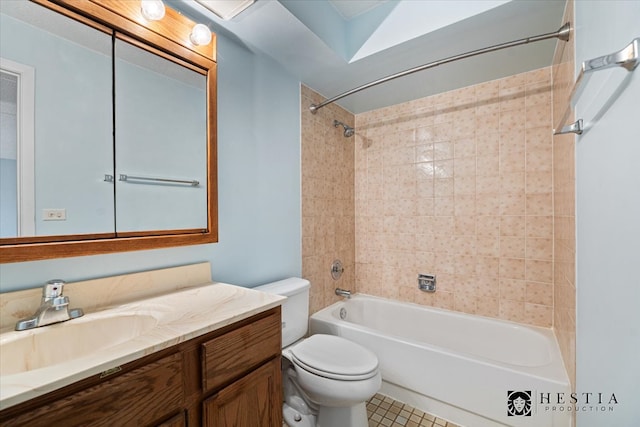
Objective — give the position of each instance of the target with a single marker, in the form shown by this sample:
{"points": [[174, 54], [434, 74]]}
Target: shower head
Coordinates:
{"points": [[348, 130]]}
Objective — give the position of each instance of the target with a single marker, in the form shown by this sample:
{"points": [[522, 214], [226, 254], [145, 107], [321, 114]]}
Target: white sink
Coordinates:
{"points": [[41, 360], [23, 351]]}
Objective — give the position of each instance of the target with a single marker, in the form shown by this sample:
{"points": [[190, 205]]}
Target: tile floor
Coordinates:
{"points": [[383, 411]]}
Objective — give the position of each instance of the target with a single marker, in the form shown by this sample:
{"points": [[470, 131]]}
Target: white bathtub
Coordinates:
{"points": [[457, 366]]}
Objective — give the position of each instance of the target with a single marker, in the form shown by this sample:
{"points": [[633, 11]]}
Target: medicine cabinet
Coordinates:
{"points": [[113, 147]]}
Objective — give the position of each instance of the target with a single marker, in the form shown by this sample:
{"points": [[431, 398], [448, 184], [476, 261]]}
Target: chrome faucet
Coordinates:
{"points": [[54, 308], [343, 293]]}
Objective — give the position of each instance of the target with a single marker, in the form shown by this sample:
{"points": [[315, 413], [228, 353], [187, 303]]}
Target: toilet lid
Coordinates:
{"points": [[335, 357]]}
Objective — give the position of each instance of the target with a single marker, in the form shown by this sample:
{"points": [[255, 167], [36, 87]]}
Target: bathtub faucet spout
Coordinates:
{"points": [[343, 293]]}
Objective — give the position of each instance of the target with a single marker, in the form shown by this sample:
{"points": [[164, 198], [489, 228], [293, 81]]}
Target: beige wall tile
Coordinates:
{"points": [[329, 188], [480, 198], [539, 293], [512, 310], [563, 162], [459, 184]]}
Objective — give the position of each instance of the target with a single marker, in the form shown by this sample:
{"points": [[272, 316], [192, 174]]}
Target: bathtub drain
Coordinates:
{"points": [[343, 313]]}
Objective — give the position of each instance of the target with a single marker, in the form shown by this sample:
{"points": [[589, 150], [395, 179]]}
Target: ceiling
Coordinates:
{"points": [[349, 9], [335, 45]]}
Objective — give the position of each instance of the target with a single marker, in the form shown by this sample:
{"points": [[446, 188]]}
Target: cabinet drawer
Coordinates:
{"points": [[239, 351], [138, 397]]}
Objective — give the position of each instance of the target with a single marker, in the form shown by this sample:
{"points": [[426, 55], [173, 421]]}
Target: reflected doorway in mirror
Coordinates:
{"points": [[17, 198]]}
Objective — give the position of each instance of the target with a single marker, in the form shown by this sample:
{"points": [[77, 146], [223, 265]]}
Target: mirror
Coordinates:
{"points": [[121, 122], [160, 126], [70, 121]]}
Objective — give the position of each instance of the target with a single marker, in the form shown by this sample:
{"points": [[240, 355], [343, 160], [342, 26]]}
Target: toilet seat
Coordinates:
{"points": [[335, 358]]}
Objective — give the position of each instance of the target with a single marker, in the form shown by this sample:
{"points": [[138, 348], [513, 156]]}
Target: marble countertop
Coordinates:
{"points": [[169, 319]]}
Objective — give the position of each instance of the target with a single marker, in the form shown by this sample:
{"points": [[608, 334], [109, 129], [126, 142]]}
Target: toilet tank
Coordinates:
{"points": [[295, 310]]}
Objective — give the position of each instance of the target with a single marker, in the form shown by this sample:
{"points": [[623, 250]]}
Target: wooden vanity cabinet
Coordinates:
{"points": [[229, 377]]}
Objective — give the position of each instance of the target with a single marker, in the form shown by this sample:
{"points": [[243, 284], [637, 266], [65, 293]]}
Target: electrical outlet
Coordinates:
{"points": [[54, 214]]}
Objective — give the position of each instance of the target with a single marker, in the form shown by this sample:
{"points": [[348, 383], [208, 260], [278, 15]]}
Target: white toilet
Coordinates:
{"points": [[326, 378]]}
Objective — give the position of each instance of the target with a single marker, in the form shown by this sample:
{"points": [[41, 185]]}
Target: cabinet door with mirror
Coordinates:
{"points": [[108, 131], [56, 144], [161, 163]]}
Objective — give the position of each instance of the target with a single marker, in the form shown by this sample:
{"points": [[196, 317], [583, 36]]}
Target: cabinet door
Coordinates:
{"points": [[70, 123], [177, 421], [161, 133], [253, 401]]}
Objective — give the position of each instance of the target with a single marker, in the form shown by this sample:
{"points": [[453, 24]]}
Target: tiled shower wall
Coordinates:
{"points": [[328, 224], [564, 205], [460, 185]]}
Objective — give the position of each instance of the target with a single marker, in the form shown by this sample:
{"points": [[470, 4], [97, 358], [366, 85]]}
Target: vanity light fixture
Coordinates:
{"points": [[200, 35], [226, 9], [152, 10]]}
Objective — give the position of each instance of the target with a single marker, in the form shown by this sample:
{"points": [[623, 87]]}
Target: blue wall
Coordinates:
{"points": [[258, 181], [608, 208]]}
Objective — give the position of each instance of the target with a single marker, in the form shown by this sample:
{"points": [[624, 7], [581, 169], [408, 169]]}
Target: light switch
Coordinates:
{"points": [[54, 214]]}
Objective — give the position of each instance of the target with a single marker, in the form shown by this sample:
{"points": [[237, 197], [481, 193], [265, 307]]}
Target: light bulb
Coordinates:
{"points": [[200, 35], [152, 10]]}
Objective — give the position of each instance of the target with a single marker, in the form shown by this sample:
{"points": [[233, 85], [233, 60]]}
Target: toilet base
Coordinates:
{"points": [[352, 416], [295, 418]]}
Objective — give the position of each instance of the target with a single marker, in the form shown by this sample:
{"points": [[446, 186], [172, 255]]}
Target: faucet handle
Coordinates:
{"points": [[53, 288]]}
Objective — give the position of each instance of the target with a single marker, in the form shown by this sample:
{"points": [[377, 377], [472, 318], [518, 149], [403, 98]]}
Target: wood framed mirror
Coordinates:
{"points": [[112, 183]]}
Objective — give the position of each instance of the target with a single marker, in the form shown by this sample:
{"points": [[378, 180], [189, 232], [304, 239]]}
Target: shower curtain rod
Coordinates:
{"points": [[562, 34]]}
